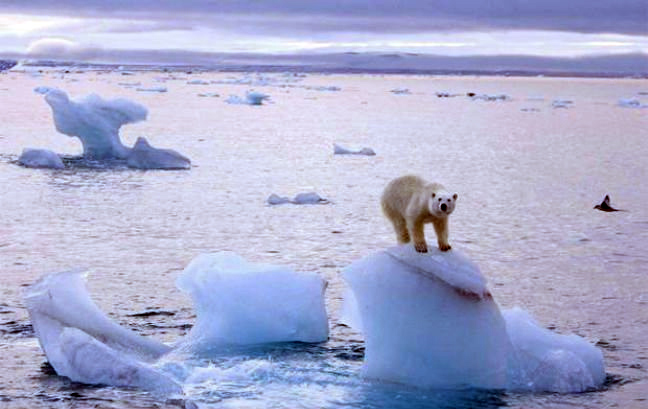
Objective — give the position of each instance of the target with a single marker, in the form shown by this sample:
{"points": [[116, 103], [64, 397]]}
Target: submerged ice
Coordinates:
{"points": [[423, 326], [97, 121]]}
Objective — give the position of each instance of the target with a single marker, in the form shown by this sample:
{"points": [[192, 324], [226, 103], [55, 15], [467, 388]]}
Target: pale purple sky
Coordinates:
{"points": [[93, 29]]}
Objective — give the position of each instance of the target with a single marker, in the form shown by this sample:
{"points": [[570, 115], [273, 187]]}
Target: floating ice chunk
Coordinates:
{"points": [[43, 89], [309, 198], [299, 199], [325, 88], [490, 98], [198, 82], [94, 120], [339, 150], [251, 98], [419, 330], [444, 94], [82, 343], [543, 361], [243, 303], [129, 84], [562, 103], [630, 103], [152, 89], [145, 156], [275, 199], [401, 91], [209, 94], [422, 327], [40, 158]]}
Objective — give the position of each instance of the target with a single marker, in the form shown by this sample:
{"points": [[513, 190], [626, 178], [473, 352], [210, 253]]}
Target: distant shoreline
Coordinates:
{"points": [[70, 67]]}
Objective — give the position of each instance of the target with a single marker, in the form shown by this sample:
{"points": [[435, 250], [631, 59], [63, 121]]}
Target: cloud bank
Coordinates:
{"points": [[325, 16]]}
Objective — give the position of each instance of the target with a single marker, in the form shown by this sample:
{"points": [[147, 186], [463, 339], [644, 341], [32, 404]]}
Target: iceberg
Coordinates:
{"points": [[339, 150], [97, 121], [429, 320], [152, 89], [83, 344], [242, 303], [562, 103], [144, 156], [40, 158]]}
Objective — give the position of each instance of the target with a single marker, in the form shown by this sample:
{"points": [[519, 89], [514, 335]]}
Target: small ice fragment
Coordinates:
{"points": [[309, 198], [275, 199], [198, 82], [40, 158], [145, 156], [562, 103], [400, 91], [630, 103], [339, 150], [152, 89]]}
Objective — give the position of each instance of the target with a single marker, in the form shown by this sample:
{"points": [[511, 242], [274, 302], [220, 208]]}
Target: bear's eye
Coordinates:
{"points": [[439, 199], [433, 194]]}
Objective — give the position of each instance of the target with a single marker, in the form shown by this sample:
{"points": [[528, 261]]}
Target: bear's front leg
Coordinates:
{"points": [[441, 229], [418, 236]]}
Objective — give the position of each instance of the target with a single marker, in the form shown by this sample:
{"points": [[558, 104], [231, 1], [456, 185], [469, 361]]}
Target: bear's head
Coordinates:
{"points": [[441, 204]]}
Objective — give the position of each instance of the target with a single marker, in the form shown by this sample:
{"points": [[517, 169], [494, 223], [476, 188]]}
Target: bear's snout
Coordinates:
{"points": [[444, 207]]}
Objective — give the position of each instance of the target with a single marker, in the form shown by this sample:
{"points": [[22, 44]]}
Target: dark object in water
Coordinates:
{"points": [[605, 206]]}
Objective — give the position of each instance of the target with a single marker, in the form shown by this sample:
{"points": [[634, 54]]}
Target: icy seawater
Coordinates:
{"points": [[527, 174]]}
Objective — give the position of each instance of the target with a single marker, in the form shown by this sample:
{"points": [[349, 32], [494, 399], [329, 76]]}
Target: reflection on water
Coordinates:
{"points": [[526, 183]]}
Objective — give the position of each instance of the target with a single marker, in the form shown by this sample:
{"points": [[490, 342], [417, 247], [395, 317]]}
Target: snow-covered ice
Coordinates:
{"points": [[40, 158], [433, 332], [340, 150], [242, 303]]}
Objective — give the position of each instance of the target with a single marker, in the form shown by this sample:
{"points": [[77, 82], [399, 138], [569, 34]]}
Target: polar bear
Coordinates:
{"points": [[410, 202]]}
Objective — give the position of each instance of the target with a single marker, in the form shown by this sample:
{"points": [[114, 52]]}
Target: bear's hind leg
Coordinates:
{"points": [[400, 226]]}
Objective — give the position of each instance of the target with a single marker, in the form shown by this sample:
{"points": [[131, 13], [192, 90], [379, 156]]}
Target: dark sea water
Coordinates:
{"points": [[527, 175]]}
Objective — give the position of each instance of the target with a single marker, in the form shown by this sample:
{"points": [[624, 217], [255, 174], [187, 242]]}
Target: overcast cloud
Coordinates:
{"points": [[587, 16]]}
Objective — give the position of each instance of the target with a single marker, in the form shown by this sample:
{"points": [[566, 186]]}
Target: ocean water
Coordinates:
{"points": [[527, 176]]}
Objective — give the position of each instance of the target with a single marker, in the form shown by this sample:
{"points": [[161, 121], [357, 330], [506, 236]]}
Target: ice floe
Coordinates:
{"points": [[340, 150], [299, 199], [490, 97], [401, 91], [428, 320], [152, 89]]}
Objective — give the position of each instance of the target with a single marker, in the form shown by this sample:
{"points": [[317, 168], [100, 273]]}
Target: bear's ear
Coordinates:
{"points": [[454, 196], [433, 194]]}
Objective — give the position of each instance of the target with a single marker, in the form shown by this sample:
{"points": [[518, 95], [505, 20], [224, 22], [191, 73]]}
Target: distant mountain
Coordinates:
{"points": [[6, 64], [625, 65]]}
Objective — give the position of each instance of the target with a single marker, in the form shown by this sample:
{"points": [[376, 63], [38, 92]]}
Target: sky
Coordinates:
{"points": [[99, 30]]}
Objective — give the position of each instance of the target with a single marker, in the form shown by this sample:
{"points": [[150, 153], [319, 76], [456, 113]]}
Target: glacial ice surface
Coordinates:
{"points": [[420, 330], [242, 303]]}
